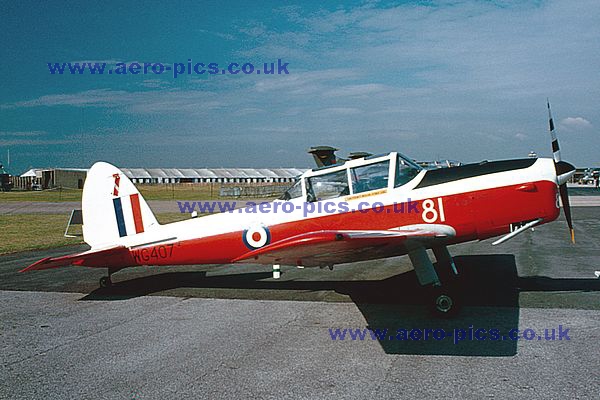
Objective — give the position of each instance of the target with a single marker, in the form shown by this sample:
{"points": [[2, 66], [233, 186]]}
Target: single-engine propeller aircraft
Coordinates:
{"points": [[408, 210]]}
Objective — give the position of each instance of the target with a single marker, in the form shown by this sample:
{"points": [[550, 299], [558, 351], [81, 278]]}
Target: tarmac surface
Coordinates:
{"points": [[228, 331]]}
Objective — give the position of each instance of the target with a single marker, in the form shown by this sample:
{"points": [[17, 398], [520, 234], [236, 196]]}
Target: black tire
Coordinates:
{"points": [[444, 303]]}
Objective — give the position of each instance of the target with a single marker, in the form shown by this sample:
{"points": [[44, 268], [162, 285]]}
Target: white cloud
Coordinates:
{"points": [[356, 90], [248, 111], [168, 101], [254, 29], [338, 111], [155, 83], [21, 133], [226, 36], [98, 97], [33, 142], [521, 136], [575, 124], [30, 138], [305, 81], [278, 129]]}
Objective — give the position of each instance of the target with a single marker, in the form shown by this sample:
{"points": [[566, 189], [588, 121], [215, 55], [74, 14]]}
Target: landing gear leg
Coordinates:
{"points": [[446, 298], [445, 263], [443, 300]]}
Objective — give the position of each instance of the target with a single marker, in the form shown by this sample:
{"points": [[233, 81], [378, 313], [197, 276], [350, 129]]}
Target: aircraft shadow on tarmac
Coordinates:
{"points": [[489, 284]]}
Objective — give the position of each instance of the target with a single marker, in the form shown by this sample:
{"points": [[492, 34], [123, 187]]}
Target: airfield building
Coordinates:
{"points": [[47, 178]]}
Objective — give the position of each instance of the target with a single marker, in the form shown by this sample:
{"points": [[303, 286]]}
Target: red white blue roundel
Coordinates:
{"points": [[256, 237]]}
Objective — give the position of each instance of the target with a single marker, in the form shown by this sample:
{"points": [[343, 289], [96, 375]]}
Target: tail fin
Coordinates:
{"points": [[112, 207]]}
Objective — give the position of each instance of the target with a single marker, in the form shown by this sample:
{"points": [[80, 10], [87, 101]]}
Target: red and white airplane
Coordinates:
{"points": [[453, 205]]}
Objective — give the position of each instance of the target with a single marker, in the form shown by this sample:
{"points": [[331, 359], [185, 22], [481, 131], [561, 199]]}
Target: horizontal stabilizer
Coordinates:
{"points": [[113, 257]]}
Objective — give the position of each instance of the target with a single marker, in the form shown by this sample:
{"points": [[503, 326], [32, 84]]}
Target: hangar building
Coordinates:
{"points": [[48, 178]]}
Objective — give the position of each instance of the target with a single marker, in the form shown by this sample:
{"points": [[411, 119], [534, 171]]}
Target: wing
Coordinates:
{"points": [[321, 248], [111, 257]]}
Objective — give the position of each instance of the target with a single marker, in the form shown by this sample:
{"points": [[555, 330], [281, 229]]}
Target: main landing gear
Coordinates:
{"points": [[443, 299]]}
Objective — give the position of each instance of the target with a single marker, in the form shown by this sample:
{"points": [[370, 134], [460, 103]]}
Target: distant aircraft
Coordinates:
{"points": [[408, 210]]}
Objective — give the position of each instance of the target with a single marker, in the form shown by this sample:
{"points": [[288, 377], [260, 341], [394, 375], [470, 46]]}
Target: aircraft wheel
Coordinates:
{"points": [[105, 281], [445, 303]]}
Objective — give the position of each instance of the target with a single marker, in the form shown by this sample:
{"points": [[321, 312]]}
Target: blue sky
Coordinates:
{"points": [[464, 80]]}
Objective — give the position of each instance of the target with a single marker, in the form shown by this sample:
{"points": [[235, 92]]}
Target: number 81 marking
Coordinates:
{"points": [[430, 214]]}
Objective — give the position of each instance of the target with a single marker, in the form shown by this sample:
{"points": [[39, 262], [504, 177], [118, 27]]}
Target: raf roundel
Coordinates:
{"points": [[256, 237]]}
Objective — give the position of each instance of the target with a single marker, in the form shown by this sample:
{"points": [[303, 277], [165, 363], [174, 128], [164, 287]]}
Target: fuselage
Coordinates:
{"points": [[477, 201]]}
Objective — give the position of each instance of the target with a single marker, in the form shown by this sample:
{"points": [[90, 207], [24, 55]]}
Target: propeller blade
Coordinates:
{"points": [[564, 171], [564, 197], [555, 146]]}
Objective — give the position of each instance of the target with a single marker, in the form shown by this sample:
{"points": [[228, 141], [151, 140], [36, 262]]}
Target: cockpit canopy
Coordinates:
{"points": [[353, 177]]}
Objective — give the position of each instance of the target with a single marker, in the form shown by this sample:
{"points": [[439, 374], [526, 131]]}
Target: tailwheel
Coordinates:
{"points": [[444, 302], [105, 281]]}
